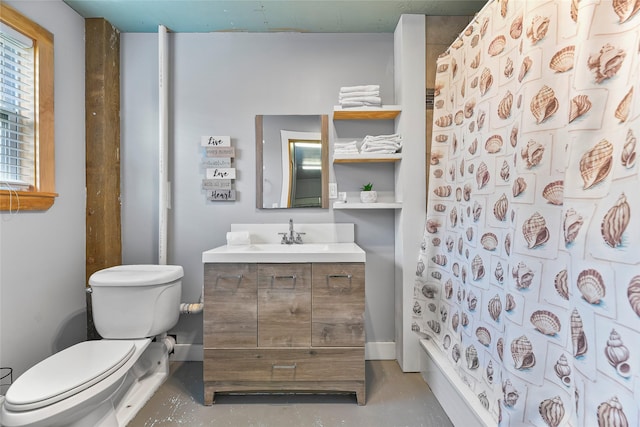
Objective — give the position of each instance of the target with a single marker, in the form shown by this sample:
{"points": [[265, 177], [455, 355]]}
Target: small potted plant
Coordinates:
{"points": [[367, 194]]}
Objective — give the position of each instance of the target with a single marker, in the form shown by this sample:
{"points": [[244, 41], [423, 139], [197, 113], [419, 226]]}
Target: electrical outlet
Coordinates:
{"points": [[333, 190]]}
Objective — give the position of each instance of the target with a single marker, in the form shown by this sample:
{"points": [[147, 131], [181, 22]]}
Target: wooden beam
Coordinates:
{"points": [[102, 122]]}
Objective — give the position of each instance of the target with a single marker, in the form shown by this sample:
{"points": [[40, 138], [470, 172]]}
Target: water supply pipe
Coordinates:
{"points": [[164, 195], [163, 134], [168, 341]]}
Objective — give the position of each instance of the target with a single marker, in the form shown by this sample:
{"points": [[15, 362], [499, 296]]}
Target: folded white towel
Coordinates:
{"points": [[346, 150], [359, 88], [380, 150], [382, 143], [346, 144], [349, 104], [238, 238], [369, 99], [392, 137], [358, 94]]}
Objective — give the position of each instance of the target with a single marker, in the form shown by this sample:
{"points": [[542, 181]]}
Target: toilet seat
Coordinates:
{"points": [[67, 373]]}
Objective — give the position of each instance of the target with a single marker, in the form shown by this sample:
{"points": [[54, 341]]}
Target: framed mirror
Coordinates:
{"points": [[292, 161]]}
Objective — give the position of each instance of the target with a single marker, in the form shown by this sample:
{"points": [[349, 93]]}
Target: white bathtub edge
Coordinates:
{"points": [[458, 401]]}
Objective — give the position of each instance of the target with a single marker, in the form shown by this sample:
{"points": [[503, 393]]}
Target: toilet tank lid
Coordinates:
{"points": [[136, 275]]}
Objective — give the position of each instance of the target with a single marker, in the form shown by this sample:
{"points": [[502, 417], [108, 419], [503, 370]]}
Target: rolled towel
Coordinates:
{"points": [[238, 238]]}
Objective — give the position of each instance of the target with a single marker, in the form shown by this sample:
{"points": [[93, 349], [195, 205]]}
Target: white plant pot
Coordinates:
{"points": [[368, 196]]}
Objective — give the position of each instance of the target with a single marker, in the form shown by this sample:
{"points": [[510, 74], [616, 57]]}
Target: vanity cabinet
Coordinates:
{"points": [[284, 327]]}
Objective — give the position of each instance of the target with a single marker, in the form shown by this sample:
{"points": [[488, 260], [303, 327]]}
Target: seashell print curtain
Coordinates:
{"points": [[529, 274]]}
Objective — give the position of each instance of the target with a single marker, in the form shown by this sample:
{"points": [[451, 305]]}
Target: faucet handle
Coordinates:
{"points": [[299, 236], [285, 239]]}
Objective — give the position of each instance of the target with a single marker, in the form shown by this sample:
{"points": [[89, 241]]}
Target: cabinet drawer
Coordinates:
{"points": [[230, 305], [334, 364], [284, 305], [338, 304]]}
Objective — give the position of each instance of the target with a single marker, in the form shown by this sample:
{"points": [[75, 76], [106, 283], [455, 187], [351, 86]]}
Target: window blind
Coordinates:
{"points": [[17, 101]]}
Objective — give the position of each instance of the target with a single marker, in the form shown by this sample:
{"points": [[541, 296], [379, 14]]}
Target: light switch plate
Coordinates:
{"points": [[333, 190]]}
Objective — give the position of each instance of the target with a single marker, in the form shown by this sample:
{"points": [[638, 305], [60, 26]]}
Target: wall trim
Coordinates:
{"points": [[187, 353], [380, 350], [372, 351], [458, 401]]}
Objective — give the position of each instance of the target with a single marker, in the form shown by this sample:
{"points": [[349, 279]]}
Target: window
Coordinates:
{"points": [[27, 180]]}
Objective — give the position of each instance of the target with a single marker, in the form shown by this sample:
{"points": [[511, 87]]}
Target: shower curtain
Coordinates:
{"points": [[528, 278]]}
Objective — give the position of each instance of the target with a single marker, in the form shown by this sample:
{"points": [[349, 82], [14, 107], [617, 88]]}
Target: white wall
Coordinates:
{"points": [[42, 254], [218, 83]]}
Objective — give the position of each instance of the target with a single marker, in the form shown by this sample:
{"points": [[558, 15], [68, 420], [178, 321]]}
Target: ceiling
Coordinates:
{"points": [[314, 16]]}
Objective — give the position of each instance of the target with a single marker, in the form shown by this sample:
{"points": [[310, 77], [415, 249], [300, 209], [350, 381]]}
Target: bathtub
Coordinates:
{"points": [[462, 407]]}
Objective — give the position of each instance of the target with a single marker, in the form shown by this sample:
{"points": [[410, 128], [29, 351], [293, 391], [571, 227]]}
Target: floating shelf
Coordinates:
{"points": [[386, 200], [385, 112], [358, 205], [366, 158]]}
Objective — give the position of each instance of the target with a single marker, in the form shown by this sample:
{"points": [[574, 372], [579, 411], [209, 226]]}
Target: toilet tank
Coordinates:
{"points": [[136, 301]]}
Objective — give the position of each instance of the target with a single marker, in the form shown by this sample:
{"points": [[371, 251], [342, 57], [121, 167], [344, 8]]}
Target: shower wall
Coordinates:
{"points": [[528, 279]]}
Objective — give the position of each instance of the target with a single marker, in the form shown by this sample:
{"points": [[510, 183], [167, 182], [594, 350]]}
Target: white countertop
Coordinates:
{"points": [[278, 253]]}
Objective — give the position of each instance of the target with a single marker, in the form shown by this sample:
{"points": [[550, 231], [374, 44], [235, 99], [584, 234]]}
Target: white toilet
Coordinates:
{"points": [[106, 382]]}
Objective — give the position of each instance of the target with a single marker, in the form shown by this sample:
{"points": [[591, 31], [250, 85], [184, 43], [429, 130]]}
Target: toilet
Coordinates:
{"points": [[105, 382]]}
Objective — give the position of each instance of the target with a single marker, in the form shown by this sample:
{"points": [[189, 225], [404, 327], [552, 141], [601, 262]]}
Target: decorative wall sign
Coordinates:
{"points": [[217, 162], [216, 184], [221, 151], [221, 195], [218, 154], [215, 141], [221, 173]]}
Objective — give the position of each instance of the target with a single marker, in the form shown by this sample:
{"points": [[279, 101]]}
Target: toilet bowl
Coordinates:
{"points": [[105, 382]]}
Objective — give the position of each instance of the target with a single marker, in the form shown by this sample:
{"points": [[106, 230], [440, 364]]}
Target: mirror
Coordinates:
{"points": [[292, 161]]}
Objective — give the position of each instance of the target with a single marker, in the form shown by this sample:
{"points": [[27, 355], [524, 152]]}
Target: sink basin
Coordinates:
{"points": [[273, 252]]}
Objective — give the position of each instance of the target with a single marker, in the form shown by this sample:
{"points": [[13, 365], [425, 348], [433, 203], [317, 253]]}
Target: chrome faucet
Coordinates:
{"points": [[292, 236]]}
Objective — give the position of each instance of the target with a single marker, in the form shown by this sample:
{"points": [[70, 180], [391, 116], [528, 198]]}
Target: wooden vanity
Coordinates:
{"points": [[284, 327]]}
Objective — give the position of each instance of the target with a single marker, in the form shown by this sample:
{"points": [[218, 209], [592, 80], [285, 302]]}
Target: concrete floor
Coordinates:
{"points": [[394, 399]]}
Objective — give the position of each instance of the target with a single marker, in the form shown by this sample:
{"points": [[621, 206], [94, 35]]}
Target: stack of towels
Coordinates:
{"points": [[383, 144], [360, 96], [345, 147]]}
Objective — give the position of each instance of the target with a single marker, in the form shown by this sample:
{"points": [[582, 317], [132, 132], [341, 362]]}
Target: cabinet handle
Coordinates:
{"points": [[293, 278], [232, 276], [284, 366], [339, 276]]}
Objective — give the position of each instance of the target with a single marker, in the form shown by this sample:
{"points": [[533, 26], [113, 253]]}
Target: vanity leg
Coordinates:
{"points": [[360, 395], [209, 395]]}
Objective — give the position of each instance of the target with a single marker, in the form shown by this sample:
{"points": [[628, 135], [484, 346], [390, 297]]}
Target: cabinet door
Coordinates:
{"points": [[230, 305], [338, 304], [284, 305]]}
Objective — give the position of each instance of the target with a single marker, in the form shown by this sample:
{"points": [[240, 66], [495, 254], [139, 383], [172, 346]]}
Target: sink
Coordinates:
{"points": [[273, 252], [280, 248]]}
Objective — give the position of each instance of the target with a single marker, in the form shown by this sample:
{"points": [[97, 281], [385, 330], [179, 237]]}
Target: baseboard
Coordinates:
{"points": [[462, 407], [380, 351], [187, 353], [372, 351]]}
